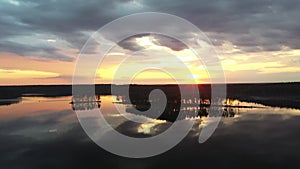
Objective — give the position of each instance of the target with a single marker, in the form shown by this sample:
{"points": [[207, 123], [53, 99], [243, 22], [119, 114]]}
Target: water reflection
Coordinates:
{"points": [[85, 102], [45, 133], [190, 107]]}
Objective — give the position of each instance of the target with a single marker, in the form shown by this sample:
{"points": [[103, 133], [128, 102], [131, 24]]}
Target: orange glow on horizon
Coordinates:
{"points": [[238, 66]]}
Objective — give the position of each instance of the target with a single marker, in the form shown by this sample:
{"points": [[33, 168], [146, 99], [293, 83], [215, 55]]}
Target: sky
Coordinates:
{"points": [[257, 40]]}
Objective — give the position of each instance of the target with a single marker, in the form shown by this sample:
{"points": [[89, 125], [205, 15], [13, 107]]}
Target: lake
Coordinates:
{"points": [[44, 132]]}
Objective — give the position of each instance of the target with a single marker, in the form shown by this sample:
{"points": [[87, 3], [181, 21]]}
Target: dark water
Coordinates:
{"points": [[45, 133]]}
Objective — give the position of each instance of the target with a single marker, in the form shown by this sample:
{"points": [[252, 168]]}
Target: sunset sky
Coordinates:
{"points": [[257, 41]]}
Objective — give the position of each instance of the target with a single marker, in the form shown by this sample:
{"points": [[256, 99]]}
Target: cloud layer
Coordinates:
{"points": [[57, 30]]}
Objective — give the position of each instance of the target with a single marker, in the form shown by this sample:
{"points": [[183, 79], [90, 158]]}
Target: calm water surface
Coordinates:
{"points": [[43, 132]]}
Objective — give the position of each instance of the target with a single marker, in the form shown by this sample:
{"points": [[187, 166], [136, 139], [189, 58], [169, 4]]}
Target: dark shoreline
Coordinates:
{"points": [[269, 94]]}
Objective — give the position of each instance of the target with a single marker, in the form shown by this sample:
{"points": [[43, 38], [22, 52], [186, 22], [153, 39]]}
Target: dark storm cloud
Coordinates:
{"points": [[235, 18], [60, 16], [63, 19], [160, 40], [130, 42], [260, 25], [27, 50], [169, 42]]}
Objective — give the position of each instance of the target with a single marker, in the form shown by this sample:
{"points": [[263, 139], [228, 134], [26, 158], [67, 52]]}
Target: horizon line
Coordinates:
{"points": [[163, 84]]}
